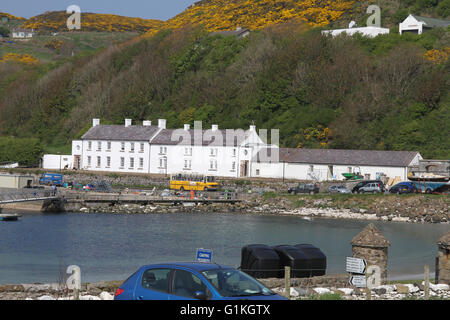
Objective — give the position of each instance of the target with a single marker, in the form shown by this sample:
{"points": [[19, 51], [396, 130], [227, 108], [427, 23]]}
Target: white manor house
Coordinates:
{"points": [[155, 149]]}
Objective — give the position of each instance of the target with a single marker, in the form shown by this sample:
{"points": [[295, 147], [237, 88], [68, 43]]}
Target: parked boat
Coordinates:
{"points": [[10, 217], [433, 178]]}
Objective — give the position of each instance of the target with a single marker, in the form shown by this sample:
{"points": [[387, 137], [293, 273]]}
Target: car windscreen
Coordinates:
{"points": [[235, 283]]}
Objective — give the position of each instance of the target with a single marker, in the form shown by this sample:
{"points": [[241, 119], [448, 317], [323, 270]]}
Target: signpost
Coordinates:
{"points": [[204, 255], [356, 265], [358, 281]]}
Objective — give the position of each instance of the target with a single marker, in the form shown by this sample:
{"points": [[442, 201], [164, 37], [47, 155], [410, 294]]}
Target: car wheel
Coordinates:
{"points": [[311, 192], [206, 189], [181, 189], [428, 191]]}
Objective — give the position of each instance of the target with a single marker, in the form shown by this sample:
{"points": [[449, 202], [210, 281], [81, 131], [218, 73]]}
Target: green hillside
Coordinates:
{"points": [[387, 93]]}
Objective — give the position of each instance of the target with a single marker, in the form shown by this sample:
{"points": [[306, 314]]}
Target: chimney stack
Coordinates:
{"points": [[146, 123], [252, 128], [127, 122], [187, 127], [215, 127], [95, 122], [162, 123]]}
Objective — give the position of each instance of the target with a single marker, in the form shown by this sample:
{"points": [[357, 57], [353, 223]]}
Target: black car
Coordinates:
{"points": [[304, 188], [404, 188], [363, 183]]}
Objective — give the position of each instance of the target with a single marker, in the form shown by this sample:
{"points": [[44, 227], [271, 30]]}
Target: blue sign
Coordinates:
{"points": [[204, 255]]}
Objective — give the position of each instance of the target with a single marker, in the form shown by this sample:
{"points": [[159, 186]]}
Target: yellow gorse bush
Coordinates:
{"points": [[57, 21], [213, 15], [438, 56], [217, 15], [22, 58], [10, 16]]}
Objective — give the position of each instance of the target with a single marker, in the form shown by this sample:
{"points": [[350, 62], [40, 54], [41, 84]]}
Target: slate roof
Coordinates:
{"points": [[120, 133], [237, 33], [444, 241], [165, 138], [432, 22], [370, 236], [344, 157]]}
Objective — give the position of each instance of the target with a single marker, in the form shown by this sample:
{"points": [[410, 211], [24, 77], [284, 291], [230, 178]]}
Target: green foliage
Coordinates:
{"points": [[4, 32], [443, 9], [378, 93], [25, 151]]}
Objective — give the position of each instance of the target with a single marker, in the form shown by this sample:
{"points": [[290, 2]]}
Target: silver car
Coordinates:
{"points": [[372, 187], [338, 189]]}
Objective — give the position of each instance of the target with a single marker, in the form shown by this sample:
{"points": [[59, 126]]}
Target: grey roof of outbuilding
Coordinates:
{"points": [[226, 33], [432, 22], [167, 137], [121, 133], [343, 157]]}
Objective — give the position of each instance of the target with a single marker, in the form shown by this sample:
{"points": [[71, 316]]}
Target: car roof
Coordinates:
{"points": [[197, 266]]}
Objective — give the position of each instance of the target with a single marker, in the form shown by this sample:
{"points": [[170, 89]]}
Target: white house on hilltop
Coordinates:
{"points": [[419, 25], [353, 29], [22, 33]]}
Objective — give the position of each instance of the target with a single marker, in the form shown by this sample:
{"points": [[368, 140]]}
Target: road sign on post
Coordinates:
{"points": [[204, 255], [356, 265], [358, 281]]}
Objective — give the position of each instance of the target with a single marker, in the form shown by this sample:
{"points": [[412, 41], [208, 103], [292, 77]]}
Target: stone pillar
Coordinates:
{"points": [[372, 246], [443, 260]]}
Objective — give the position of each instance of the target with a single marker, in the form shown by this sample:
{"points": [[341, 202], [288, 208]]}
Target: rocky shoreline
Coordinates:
{"points": [[417, 209]]}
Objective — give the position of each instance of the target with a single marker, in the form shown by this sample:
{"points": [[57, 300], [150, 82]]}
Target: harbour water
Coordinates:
{"points": [[39, 247]]}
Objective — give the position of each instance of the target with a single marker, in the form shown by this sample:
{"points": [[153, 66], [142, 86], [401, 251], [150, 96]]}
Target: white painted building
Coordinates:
{"points": [[330, 164], [156, 149], [417, 24], [352, 29], [57, 161], [22, 33]]}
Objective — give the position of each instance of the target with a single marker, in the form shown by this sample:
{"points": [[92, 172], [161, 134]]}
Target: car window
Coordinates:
{"points": [[156, 279], [186, 284], [234, 283]]}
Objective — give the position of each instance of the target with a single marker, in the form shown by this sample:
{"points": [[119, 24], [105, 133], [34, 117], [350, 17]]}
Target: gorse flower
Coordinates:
{"points": [[22, 58]]}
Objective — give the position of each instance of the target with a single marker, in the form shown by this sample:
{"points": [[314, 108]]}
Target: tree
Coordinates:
{"points": [[4, 32], [443, 9]]}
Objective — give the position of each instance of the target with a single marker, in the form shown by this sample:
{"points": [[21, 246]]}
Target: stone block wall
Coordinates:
{"points": [[373, 256]]}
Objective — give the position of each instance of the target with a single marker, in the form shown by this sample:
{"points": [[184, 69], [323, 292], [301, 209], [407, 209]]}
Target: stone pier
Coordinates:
{"points": [[372, 246]]}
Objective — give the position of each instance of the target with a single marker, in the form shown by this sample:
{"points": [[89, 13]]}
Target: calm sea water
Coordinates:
{"points": [[112, 247]]}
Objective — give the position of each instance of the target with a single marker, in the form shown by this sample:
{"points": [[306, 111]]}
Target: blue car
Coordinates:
{"points": [[192, 281], [404, 187]]}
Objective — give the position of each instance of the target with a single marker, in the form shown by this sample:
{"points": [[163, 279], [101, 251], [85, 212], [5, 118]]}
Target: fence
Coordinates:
{"points": [[24, 195]]}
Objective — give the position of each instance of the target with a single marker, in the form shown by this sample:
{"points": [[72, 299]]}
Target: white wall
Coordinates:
{"points": [[300, 171], [115, 154], [57, 161], [365, 31], [197, 159]]}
